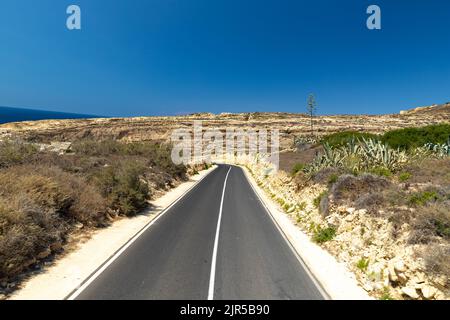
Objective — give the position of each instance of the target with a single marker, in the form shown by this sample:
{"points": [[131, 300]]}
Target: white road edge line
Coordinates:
{"points": [[74, 294], [316, 282], [212, 275]]}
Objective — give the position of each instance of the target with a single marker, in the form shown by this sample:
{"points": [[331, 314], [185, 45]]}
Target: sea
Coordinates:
{"points": [[8, 114]]}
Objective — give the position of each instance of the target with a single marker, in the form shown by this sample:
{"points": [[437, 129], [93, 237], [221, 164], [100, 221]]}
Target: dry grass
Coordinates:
{"points": [[289, 159], [51, 187], [435, 171], [43, 195], [13, 152]]}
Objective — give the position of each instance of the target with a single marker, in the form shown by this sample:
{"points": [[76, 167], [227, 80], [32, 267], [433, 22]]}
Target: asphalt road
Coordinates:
{"points": [[215, 243]]}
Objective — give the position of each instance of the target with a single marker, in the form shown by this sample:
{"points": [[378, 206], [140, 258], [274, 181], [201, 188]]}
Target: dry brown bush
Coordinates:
{"points": [[349, 189], [27, 228], [50, 187], [436, 171], [431, 223], [437, 261]]}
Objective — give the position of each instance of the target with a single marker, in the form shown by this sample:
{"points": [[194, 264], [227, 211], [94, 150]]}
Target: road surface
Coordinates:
{"points": [[217, 242]]}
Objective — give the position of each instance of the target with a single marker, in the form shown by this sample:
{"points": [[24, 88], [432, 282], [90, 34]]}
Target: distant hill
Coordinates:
{"points": [[433, 109], [160, 128], [8, 114]]}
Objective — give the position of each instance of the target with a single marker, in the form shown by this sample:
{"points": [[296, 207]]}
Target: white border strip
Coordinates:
{"points": [[74, 294], [212, 275]]}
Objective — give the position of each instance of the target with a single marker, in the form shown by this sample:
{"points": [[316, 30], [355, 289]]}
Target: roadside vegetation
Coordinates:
{"points": [[378, 203], [405, 139], [45, 196], [400, 179]]}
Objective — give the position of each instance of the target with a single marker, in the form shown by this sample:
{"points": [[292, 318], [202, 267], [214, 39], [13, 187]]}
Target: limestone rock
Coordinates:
{"points": [[410, 292], [399, 266], [392, 274], [350, 210], [428, 291]]}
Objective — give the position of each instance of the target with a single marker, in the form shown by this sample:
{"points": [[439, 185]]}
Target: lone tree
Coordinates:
{"points": [[312, 107]]}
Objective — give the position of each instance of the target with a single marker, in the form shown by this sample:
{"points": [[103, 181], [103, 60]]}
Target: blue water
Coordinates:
{"points": [[8, 114]]}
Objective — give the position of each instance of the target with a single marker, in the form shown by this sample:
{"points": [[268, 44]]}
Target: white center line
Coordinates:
{"points": [[212, 275]]}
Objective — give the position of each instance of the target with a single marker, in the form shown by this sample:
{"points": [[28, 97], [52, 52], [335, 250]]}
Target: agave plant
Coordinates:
{"points": [[360, 155], [379, 154], [441, 150]]}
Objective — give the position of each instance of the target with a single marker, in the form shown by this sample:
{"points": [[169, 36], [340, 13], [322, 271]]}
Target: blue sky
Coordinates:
{"points": [[154, 57]]}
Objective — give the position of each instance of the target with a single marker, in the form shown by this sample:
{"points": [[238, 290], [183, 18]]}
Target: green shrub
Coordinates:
{"points": [[381, 171], [422, 198], [322, 235], [123, 187], [318, 199], [362, 264], [333, 179], [404, 176], [409, 138], [297, 168], [302, 206], [386, 295], [442, 228], [342, 138]]}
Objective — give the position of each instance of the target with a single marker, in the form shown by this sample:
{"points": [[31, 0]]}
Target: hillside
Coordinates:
{"points": [[160, 128]]}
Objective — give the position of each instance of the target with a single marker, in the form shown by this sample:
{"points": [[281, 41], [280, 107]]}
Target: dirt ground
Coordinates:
{"points": [[289, 158]]}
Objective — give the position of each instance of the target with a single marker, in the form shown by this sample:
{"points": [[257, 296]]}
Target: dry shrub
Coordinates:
{"points": [[50, 187], [38, 205], [325, 175], [27, 228], [437, 260], [301, 180], [349, 189], [74, 163], [370, 201], [13, 152], [431, 223]]}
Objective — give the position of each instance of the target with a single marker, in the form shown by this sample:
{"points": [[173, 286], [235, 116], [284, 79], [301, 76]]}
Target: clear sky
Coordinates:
{"points": [[153, 57]]}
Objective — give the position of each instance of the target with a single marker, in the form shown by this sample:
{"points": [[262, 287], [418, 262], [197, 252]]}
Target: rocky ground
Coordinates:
{"points": [[377, 247]]}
